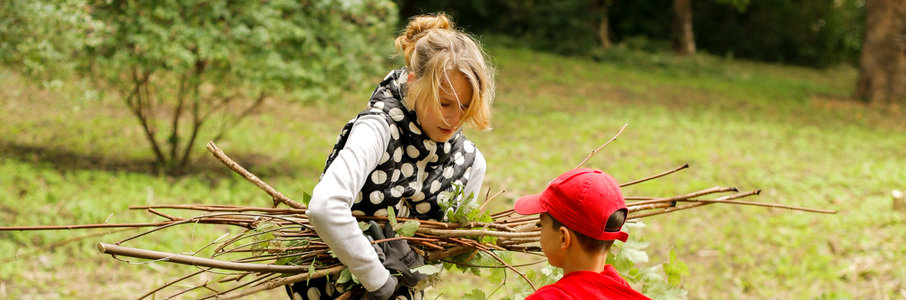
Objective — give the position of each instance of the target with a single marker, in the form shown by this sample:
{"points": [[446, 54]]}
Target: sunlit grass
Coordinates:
{"points": [[788, 131]]}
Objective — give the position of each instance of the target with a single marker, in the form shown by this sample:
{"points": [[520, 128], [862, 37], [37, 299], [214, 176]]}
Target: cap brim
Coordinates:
{"points": [[619, 235], [529, 205]]}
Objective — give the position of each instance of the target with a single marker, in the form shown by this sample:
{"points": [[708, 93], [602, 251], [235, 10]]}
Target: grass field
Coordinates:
{"points": [[70, 157]]}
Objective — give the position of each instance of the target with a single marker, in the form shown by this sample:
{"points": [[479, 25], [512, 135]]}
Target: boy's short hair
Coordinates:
{"points": [[587, 201], [586, 242]]}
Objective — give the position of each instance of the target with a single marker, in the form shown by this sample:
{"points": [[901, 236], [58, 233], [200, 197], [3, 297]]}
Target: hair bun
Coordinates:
{"points": [[417, 27]]}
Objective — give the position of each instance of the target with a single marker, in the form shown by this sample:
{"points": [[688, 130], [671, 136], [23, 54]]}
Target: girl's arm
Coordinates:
{"points": [[476, 177], [330, 209]]}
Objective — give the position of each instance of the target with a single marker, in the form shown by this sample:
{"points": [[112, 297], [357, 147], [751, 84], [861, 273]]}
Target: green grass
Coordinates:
{"points": [[67, 157]]}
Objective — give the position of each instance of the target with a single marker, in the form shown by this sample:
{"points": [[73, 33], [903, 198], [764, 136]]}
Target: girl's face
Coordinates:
{"points": [[441, 124]]}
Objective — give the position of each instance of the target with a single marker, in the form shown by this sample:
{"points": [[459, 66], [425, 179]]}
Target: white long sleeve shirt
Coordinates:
{"points": [[330, 208]]}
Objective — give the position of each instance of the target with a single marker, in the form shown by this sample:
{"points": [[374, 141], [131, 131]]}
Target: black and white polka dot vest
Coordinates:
{"points": [[414, 169]]}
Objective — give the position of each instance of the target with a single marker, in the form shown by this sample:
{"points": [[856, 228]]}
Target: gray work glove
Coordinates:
{"points": [[386, 290], [396, 255]]}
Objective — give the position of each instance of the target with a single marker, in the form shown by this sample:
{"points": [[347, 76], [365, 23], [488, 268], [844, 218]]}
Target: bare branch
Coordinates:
{"points": [[196, 261], [712, 190], [252, 178], [655, 176], [602, 146], [275, 283]]}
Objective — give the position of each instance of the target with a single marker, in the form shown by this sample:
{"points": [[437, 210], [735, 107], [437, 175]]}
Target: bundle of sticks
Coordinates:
{"points": [[278, 246]]}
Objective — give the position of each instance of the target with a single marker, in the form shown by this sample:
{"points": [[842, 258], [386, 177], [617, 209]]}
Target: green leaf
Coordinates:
{"points": [[675, 269], [408, 228], [391, 216], [311, 269], [429, 269], [475, 294], [635, 251], [364, 226], [345, 276], [306, 198]]}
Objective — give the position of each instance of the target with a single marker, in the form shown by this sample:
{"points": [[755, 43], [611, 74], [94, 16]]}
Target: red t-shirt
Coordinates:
{"points": [[588, 285]]}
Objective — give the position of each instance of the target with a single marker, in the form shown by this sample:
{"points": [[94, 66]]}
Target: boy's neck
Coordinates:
{"points": [[581, 260]]}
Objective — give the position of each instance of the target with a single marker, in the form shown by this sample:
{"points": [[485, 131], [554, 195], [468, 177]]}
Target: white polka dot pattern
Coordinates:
{"points": [[397, 191], [412, 151], [396, 114], [381, 212], [378, 177], [435, 186], [376, 197], [414, 128], [407, 169], [468, 146], [398, 155], [394, 132], [423, 207], [314, 293]]}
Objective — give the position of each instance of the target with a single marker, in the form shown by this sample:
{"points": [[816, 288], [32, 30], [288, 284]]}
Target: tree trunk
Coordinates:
{"points": [[408, 9], [682, 39], [882, 78], [604, 27]]}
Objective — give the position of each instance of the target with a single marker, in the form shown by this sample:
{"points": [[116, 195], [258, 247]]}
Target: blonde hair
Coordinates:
{"points": [[432, 47]]}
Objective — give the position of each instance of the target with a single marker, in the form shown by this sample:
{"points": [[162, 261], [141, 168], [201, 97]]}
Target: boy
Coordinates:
{"points": [[582, 212]]}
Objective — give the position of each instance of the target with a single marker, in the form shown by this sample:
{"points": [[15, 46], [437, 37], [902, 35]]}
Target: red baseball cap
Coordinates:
{"points": [[584, 200]]}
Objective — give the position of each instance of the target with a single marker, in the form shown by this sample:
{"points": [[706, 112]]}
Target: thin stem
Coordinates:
{"points": [[196, 261], [772, 205], [669, 210], [488, 200], [252, 178], [476, 233], [716, 189], [159, 213], [172, 282], [655, 176], [275, 283], [602, 146]]}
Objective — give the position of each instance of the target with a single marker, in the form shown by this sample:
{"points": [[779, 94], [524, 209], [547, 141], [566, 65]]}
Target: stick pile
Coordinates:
{"points": [[278, 246]]}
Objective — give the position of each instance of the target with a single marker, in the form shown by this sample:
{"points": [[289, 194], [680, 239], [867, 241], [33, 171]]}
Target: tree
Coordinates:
{"points": [[682, 39], [882, 76], [604, 25], [179, 64]]}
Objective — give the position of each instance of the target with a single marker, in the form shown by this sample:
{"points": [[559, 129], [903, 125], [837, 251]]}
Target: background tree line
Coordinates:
{"points": [[179, 66], [870, 34], [811, 33]]}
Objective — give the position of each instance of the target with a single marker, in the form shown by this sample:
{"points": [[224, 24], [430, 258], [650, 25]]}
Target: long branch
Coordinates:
{"points": [[222, 208], [655, 176], [602, 146], [196, 261], [672, 209], [275, 283], [716, 189], [82, 226], [251, 177], [475, 233], [772, 205]]}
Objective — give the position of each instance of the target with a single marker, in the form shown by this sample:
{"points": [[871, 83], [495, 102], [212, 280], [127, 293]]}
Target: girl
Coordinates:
{"points": [[403, 151]]}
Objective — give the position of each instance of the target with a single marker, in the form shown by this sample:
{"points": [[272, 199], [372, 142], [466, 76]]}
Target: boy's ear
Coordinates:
{"points": [[566, 238]]}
